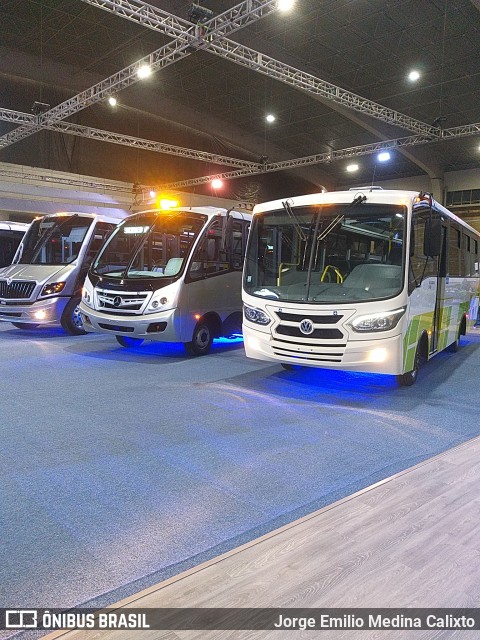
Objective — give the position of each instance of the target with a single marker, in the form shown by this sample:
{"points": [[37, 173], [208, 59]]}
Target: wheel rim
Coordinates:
{"points": [[77, 318], [202, 339]]}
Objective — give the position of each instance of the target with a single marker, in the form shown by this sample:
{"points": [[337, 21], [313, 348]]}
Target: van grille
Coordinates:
{"points": [[123, 303], [17, 290]]}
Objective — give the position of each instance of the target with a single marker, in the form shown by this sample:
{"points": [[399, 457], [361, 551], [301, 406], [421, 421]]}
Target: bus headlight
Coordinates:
{"points": [[52, 287], [255, 315], [377, 321], [157, 303]]}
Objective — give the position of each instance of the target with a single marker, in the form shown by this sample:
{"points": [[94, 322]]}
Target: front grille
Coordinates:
{"points": [[324, 344], [321, 334], [294, 317], [125, 303], [16, 289]]}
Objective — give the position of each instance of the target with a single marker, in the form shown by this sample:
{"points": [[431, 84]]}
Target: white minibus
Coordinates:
{"points": [[43, 285], [361, 280], [169, 275]]}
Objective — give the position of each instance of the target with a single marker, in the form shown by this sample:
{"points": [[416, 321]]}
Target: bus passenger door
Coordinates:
{"points": [[439, 319]]}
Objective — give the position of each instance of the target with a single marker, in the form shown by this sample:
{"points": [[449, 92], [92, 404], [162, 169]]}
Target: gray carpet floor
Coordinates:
{"points": [[119, 468]]}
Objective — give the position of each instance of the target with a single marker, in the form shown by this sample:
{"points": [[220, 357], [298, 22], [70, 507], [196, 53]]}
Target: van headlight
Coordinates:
{"points": [[255, 315], [377, 321], [52, 287], [87, 294], [158, 302]]}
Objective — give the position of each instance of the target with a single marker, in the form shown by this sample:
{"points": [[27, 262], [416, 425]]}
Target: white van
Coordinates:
{"points": [[172, 276], [43, 285]]}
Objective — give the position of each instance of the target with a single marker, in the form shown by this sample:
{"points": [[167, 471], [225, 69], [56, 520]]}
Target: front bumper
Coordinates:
{"points": [[164, 326], [370, 356], [42, 312]]}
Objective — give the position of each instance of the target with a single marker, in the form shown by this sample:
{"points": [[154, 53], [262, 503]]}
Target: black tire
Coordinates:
{"points": [[25, 325], [129, 343], [202, 339], [287, 366], [410, 377], [71, 320]]}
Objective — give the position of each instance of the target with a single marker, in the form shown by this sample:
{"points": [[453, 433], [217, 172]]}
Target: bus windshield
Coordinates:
{"points": [[327, 253], [150, 245], [54, 239]]}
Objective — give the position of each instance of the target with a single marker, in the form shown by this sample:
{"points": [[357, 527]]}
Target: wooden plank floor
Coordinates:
{"points": [[412, 540]]}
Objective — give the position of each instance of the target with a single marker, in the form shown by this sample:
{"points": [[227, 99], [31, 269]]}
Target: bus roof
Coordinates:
{"points": [[14, 226], [99, 216]]}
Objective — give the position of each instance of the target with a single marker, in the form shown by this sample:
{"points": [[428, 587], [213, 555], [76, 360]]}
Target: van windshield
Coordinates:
{"points": [[55, 239], [327, 253], [150, 245]]}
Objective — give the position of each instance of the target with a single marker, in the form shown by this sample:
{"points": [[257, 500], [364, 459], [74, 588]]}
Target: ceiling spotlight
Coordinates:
{"points": [[270, 118], [112, 101], [413, 76], [144, 71], [152, 193], [217, 183], [351, 168], [285, 5], [383, 156]]}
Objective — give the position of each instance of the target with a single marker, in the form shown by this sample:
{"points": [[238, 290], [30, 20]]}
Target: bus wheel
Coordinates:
{"points": [[454, 347], [25, 325], [202, 339], [71, 320], [128, 342], [409, 378]]}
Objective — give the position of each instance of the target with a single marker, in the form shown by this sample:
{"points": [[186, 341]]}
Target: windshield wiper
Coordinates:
{"points": [[288, 208], [315, 240]]}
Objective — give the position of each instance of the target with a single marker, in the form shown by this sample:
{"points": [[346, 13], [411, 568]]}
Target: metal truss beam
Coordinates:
{"points": [[237, 17], [155, 19], [7, 115], [129, 141], [27, 176], [361, 150]]}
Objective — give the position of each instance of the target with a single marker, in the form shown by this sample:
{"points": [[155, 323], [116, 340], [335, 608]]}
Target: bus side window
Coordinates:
{"points": [[209, 258], [421, 266]]}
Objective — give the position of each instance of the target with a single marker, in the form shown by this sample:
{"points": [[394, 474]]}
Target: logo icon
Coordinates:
{"points": [[117, 301], [21, 619], [306, 326], [9, 281]]}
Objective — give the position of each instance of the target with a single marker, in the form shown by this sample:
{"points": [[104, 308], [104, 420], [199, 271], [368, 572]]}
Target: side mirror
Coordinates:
{"points": [[432, 240]]}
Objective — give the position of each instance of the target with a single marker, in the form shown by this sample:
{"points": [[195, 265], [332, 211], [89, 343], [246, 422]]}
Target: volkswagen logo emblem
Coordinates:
{"points": [[306, 327], [117, 301]]}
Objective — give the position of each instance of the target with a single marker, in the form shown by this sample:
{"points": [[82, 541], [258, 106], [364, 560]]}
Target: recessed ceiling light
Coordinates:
{"points": [[413, 76], [285, 5], [144, 71], [383, 156], [351, 168], [270, 118]]}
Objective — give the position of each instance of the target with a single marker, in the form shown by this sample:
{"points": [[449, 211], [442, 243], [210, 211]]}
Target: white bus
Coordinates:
{"points": [[172, 276], [11, 234], [43, 285], [361, 280]]}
